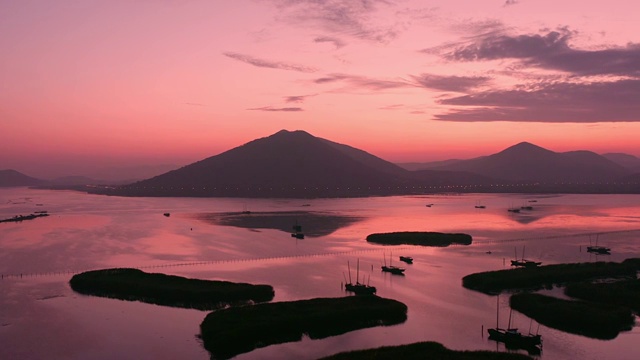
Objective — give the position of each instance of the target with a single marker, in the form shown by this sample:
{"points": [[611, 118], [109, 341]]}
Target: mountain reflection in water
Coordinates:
{"points": [[314, 224]]}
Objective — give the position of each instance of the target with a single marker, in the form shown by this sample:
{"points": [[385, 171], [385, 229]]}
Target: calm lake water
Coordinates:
{"points": [[41, 317]]}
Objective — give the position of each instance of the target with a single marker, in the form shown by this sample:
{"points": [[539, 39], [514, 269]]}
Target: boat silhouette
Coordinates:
{"points": [[512, 338], [358, 288], [390, 268]]}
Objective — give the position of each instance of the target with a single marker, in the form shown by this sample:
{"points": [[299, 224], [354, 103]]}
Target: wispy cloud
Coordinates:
{"points": [[392, 107], [363, 82], [284, 109], [329, 39], [610, 101], [297, 98], [194, 104], [450, 83], [551, 51], [353, 18], [269, 64], [511, 2]]}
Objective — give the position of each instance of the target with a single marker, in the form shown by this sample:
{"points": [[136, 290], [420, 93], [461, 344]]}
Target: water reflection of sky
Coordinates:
{"points": [[87, 232]]}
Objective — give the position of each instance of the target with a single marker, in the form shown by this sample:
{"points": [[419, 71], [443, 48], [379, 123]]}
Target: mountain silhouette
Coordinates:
{"points": [[287, 163], [527, 162], [10, 178], [297, 164]]}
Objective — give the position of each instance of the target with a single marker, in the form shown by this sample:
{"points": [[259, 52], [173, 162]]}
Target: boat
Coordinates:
{"points": [[245, 210], [429, 205], [513, 210], [392, 269], [406, 259], [600, 250], [167, 214], [358, 288], [512, 338], [479, 205], [526, 207], [524, 262], [297, 231]]}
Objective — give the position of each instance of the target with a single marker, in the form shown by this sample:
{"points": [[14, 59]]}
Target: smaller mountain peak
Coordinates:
{"points": [[525, 144], [525, 148], [288, 133]]}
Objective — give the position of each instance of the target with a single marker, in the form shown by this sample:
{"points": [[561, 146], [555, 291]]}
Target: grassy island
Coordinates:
{"points": [[232, 331], [594, 320], [423, 350], [423, 238], [624, 293], [169, 290], [493, 282]]}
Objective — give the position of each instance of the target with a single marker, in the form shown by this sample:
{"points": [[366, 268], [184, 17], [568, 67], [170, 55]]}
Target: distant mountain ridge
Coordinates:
{"points": [[529, 162], [10, 178], [298, 164]]}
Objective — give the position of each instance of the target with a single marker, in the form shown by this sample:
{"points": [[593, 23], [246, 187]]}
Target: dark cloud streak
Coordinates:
{"points": [[350, 18], [363, 82], [269, 108], [552, 51], [450, 83], [556, 102], [328, 39], [268, 64], [297, 98]]}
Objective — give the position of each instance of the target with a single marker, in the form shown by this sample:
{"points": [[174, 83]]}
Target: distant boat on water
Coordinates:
{"points": [[391, 269], [167, 214], [600, 250], [406, 259], [245, 210], [524, 262], [297, 231]]}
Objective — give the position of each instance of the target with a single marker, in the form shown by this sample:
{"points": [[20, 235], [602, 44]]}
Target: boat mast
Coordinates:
{"points": [[349, 272], [358, 272], [497, 311]]}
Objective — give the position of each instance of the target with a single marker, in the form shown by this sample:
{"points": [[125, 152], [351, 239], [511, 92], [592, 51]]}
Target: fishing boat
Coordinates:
{"points": [[406, 259], [524, 262], [512, 338], [358, 288], [297, 231], [600, 250], [392, 269], [245, 210], [167, 214]]}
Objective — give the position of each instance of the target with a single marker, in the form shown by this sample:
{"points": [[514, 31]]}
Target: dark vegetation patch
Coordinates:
{"points": [[423, 350], [624, 293], [232, 331], [423, 238], [493, 282], [168, 290], [594, 320]]}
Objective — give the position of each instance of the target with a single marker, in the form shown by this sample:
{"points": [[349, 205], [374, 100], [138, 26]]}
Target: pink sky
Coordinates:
{"points": [[120, 83]]}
